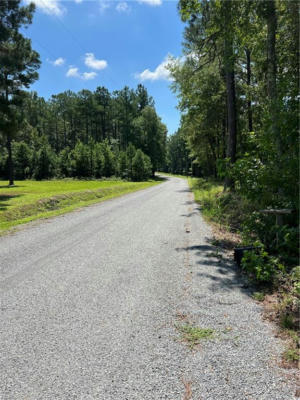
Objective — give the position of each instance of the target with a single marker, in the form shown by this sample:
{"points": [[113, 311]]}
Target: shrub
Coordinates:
{"points": [[277, 239], [260, 266], [141, 166]]}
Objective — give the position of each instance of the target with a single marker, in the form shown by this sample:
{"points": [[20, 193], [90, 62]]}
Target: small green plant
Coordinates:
{"points": [[260, 266], [291, 355], [295, 279], [258, 296], [286, 321], [215, 242], [193, 334]]}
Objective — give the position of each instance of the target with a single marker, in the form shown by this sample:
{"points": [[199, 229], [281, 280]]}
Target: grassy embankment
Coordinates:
{"points": [[281, 295], [31, 200]]}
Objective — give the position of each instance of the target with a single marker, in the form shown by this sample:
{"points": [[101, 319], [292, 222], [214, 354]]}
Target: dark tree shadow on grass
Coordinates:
{"points": [[4, 198], [8, 187]]}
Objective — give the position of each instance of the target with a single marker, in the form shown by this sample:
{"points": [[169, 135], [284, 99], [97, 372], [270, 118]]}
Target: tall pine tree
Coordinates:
{"points": [[18, 65]]}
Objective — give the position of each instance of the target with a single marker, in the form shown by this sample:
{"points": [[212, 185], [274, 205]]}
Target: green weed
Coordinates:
{"points": [[193, 334], [286, 321], [291, 355], [258, 296]]}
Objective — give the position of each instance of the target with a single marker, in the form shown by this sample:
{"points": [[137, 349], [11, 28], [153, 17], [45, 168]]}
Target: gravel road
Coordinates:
{"points": [[90, 302]]}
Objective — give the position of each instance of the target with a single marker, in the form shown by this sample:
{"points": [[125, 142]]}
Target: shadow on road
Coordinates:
{"points": [[184, 191], [213, 265]]}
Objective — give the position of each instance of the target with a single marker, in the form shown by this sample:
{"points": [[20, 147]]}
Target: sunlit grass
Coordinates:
{"points": [[31, 200], [206, 193]]}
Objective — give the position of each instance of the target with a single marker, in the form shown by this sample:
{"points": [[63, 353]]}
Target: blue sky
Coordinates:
{"points": [[90, 43]]}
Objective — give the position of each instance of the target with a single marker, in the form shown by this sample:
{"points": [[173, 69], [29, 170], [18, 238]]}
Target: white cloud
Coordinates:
{"points": [[51, 7], [123, 7], [160, 73], [73, 72], [91, 62], [78, 1], [103, 5], [88, 75], [153, 3], [58, 62]]}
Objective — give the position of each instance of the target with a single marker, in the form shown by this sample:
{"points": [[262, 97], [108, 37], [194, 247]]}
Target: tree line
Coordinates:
{"points": [[238, 89], [84, 134]]}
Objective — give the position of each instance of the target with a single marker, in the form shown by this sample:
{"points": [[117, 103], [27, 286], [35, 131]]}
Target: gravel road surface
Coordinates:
{"points": [[90, 302]]}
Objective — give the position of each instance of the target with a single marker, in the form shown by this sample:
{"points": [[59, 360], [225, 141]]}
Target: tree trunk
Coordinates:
{"points": [[249, 106], [10, 159], [230, 87]]}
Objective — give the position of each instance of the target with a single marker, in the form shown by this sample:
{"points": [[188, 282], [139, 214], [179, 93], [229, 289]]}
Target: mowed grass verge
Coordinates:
{"points": [[31, 200]]}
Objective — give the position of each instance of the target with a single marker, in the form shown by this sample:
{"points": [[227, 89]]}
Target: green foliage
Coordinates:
{"points": [[22, 157], [178, 161], [194, 334], [18, 65], [81, 160], [3, 161], [65, 162], [291, 355], [89, 132], [295, 279], [286, 321], [109, 160], [282, 240], [256, 43], [99, 161], [260, 266], [259, 296], [30, 200], [123, 165], [141, 166], [227, 208], [45, 163]]}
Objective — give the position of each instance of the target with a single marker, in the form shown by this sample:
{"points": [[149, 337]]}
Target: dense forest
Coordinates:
{"points": [[238, 92], [87, 134]]}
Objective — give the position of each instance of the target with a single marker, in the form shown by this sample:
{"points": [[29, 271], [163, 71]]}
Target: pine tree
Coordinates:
{"points": [[18, 65]]}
